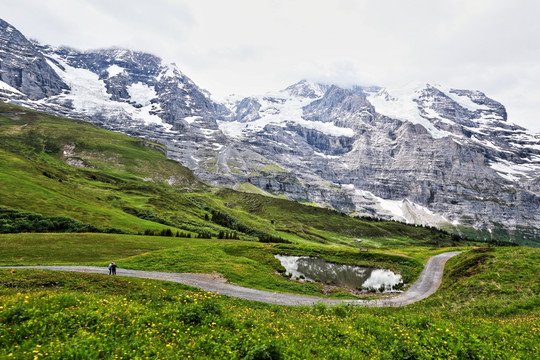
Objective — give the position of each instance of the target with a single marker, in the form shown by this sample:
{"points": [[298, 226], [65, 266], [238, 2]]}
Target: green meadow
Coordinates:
{"points": [[487, 307], [74, 194]]}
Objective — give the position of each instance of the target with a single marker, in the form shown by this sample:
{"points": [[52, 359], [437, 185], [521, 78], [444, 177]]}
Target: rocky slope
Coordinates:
{"points": [[423, 154], [23, 68]]}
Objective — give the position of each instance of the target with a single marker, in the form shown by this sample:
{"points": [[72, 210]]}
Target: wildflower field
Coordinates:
{"points": [[487, 308]]}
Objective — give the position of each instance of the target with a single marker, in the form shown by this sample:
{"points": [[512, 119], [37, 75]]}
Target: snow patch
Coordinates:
{"points": [[208, 132], [513, 172], [279, 109], [88, 93], [464, 101], [393, 206], [191, 119], [316, 153], [399, 104], [141, 94], [114, 70], [170, 71], [432, 114], [489, 144], [400, 210], [6, 87], [458, 142]]}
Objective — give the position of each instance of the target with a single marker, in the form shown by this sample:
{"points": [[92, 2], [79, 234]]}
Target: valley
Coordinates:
{"points": [[114, 155], [122, 188]]}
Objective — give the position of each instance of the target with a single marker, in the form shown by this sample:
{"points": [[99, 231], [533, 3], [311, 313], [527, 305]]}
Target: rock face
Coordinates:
{"points": [[426, 154], [24, 68]]}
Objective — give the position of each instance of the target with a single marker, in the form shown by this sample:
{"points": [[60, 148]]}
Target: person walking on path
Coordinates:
{"points": [[112, 268]]}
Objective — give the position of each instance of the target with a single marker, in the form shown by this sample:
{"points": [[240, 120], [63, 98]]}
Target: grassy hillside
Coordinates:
{"points": [[114, 172]]}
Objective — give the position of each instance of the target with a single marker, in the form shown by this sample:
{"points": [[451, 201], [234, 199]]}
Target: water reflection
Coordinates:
{"points": [[314, 269]]}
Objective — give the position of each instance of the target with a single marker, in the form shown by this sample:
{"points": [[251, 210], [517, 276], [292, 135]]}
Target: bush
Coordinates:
{"points": [[264, 352], [231, 222], [147, 215]]}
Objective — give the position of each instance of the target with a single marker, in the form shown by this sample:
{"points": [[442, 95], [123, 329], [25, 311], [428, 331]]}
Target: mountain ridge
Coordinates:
{"points": [[425, 155]]}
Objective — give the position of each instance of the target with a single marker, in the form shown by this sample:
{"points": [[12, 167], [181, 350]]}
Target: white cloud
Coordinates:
{"points": [[246, 47]]}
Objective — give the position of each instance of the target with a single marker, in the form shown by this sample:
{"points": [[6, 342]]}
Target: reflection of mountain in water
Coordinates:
{"points": [[339, 274]]}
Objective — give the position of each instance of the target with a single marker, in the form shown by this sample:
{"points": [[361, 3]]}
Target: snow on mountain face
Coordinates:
{"points": [[114, 70], [423, 154], [283, 108], [141, 94], [9, 89], [140, 85], [89, 95], [466, 116], [307, 89], [401, 210], [402, 104]]}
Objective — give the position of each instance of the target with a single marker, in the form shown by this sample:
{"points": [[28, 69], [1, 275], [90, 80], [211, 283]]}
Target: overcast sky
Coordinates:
{"points": [[253, 46]]}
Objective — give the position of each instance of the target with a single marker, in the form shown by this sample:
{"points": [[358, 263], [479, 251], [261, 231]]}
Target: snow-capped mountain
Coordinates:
{"points": [[423, 154]]}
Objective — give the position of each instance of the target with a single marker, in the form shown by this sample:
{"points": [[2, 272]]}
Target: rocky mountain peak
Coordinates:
{"points": [[24, 68], [247, 110], [307, 89]]}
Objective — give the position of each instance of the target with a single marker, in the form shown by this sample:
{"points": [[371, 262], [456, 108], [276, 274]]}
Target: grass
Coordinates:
{"points": [[94, 249], [250, 264], [495, 282], [88, 316], [326, 225], [250, 188], [272, 168]]}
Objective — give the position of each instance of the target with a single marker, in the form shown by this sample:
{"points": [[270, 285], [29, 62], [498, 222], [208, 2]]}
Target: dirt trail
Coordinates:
{"points": [[427, 284]]}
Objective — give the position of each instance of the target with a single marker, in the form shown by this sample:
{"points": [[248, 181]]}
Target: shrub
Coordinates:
{"points": [[264, 352], [231, 222]]}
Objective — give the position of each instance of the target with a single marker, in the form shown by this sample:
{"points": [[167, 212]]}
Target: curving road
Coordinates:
{"points": [[427, 283]]}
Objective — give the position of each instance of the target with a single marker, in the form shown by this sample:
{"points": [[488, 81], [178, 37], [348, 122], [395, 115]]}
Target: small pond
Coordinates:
{"points": [[350, 276]]}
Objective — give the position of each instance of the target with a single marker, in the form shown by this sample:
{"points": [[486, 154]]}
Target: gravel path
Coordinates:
{"points": [[427, 284]]}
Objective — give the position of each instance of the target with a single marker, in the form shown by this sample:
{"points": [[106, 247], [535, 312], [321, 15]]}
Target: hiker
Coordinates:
{"points": [[112, 268]]}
